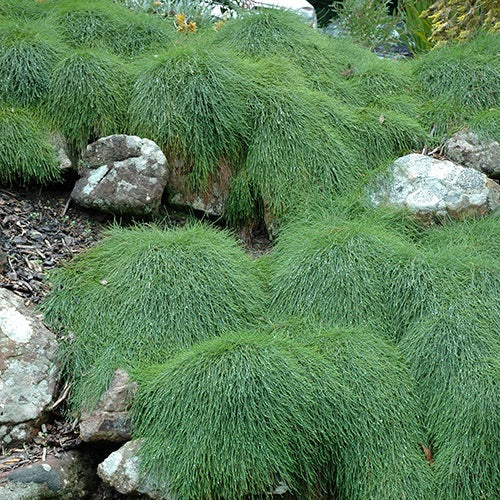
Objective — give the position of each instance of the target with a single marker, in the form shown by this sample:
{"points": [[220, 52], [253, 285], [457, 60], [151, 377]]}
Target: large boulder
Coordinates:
{"points": [[27, 370], [469, 150], [110, 420], [122, 174], [431, 187], [121, 471], [67, 476]]}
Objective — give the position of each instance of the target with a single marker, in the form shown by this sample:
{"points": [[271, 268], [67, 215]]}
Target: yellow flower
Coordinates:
{"points": [[180, 19], [192, 27]]}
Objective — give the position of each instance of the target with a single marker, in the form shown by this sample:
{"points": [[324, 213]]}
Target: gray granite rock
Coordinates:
{"points": [[110, 421], [431, 187], [27, 371], [121, 471], [469, 150], [122, 174]]}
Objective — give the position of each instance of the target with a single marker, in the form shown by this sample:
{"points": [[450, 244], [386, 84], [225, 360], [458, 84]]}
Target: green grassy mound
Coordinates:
{"points": [[459, 80], [250, 410], [87, 97], [154, 292], [453, 353], [28, 54], [25, 153], [192, 101], [487, 124], [339, 270], [105, 24]]}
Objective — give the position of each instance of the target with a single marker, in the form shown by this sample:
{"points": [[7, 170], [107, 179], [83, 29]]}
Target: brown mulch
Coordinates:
{"points": [[38, 230]]}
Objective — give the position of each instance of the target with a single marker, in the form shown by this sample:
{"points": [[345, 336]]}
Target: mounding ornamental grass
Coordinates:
{"points": [[28, 54], [25, 153], [143, 294], [330, 413], [192, 101], [106, 24], [459, 80], [453, 353], [87, 97]]}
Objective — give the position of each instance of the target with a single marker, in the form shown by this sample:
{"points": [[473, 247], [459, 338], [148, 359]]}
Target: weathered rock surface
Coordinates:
{"points": [[110, 421], [469, 150], [27, 371], [211, 201], [121, 471], [431, 187], [122, 174], [62, 152], [66, 477]]}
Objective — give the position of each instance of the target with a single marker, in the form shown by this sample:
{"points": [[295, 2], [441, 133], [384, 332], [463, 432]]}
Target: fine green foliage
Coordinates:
{"points": [[28, 54], [339, 270], [242, 416], [94, 24], [192, 101], [154, 292], [487, 124], [25, 153], [453, 353], [378, 455], [464, 77], [87, 97], [326, 412]]}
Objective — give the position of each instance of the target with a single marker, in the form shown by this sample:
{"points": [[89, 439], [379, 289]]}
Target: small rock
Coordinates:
{"points": [[469, 150], [110, 421], [121, 471], [122, 174], [27, 371], [68, 477], [62, 152], [430, 187]]}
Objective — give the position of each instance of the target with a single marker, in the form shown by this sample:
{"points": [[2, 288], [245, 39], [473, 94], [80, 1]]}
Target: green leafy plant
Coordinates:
{"points": [[367, 21], [418, 27], [87, 97], [25, 153], [155, 292]]}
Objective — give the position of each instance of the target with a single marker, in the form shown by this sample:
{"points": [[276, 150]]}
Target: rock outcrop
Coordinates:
{"points": [[122, 174], [110, 421], [431, 187], [27, 370], [469, 150]]}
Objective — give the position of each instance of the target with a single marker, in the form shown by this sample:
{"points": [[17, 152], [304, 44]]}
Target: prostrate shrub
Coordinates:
{"points": [[28, 54], [105, 24], [143, 294], [329, 414], [25, 153], [192, 101], [87, 97], [460, 80]]}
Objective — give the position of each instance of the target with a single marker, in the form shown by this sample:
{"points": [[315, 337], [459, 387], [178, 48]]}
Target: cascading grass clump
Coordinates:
{"points": [[28, 54], [339, 269], [25, 152], [87, 97], [487, 124], [105, 24], [460, 80], [327, 413], [453, 353], [143, 294], [192, 101]]}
